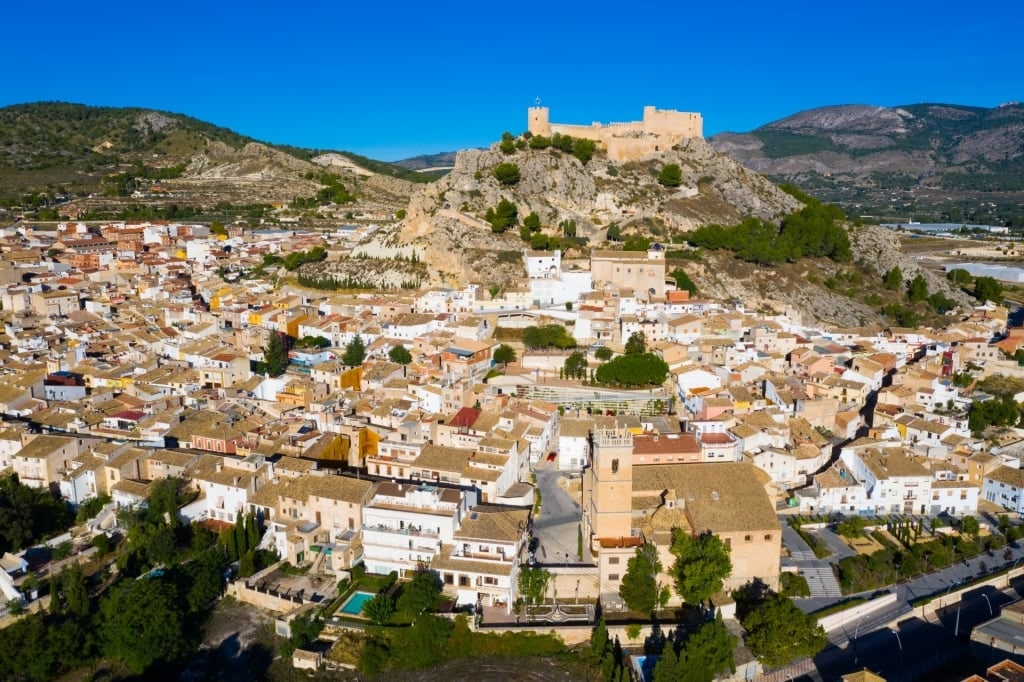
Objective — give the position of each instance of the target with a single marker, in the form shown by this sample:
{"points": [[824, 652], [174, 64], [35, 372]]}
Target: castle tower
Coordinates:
{"points": [[538, 122]]}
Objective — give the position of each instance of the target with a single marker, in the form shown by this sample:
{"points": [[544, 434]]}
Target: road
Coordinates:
{"points": [[907, 588], [557, 528], [916, 647], [923, 644]]}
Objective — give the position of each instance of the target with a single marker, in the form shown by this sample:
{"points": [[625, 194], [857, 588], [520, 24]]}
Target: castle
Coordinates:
{"points": [[659, 130]]}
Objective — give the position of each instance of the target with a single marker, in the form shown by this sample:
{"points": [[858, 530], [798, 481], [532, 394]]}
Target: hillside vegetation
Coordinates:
{"points": [[108, 162]]}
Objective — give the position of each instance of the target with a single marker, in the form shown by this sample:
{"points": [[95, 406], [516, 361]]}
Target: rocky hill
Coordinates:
{"points": [[446, 227], [818, 290], [102, 159], [441, 160], [446, 219], [922, 159]]}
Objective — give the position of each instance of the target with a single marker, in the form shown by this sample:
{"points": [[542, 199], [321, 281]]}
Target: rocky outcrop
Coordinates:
{"points": [[800, 287], [558, 187]]}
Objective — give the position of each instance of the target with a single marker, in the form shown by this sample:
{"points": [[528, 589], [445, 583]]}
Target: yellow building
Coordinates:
{"points": [[658, 131]]}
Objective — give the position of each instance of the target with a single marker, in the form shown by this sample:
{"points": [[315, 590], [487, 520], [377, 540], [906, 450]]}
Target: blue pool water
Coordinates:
{"points": [[354, 604], [646, 666]]}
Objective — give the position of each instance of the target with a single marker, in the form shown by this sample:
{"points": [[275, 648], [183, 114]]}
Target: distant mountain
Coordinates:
{"points": [[915, 157], [442, 161]]}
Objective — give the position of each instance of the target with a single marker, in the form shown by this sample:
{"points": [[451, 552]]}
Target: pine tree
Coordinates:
{"points": [[253, 529], [355, 352], [275, 355], [893, 278]]}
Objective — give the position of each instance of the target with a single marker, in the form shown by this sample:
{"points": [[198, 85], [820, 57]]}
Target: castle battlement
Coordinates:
{"points": [[660, 129]]}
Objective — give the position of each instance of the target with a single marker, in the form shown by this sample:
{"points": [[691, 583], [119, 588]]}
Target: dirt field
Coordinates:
{"points": [[864, 545]]}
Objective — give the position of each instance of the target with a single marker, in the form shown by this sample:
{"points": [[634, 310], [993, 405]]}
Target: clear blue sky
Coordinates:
{"points": [[395, 79]]}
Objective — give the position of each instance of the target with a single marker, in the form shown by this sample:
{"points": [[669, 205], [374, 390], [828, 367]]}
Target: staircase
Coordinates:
{"points": [[319, 561], [821, 580]]}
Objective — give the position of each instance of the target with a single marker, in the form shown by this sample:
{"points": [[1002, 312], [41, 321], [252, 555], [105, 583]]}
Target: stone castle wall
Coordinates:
{"points": [[659, 130]]}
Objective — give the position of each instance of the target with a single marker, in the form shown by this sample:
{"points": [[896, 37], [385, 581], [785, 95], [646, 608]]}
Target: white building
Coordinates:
{"points": [[549, 285], [1005, 486], [953, 497], [834, 490], [404, 526], [574, 443], [894, 482], [479, 567]]}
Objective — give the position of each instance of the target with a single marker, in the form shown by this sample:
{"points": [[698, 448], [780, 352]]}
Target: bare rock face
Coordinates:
{"points": [[859, 117], [880, 248], [558, 187], [253, 160]]}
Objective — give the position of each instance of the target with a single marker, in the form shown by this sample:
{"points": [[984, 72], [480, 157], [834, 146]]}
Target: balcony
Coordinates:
{"points": [[495, 557], [381, 528]]}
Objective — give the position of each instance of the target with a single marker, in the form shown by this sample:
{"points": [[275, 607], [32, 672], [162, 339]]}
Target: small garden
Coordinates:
{"points": [[405, 632], [817, 545], [361, 581], [908, 549]]}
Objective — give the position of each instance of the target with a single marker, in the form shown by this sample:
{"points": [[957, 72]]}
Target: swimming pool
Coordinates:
{"points": [[353, 606], [643, 666]]}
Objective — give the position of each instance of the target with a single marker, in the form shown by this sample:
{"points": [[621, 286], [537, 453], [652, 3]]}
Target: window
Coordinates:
{"points": [[767, 537], [613, 577], [615, 466], [747, 538], [463, 581], [449, 579], [490, 581], [613, 560]]}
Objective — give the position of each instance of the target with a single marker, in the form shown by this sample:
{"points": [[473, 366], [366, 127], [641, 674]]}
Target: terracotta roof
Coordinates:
{"points": [[720, 497]]}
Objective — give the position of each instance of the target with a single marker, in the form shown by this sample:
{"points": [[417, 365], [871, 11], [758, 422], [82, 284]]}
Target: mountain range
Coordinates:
{"points": [[937, 161]]}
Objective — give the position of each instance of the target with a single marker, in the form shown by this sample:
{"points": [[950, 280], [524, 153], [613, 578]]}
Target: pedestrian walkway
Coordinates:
{"points": [[820, 579], [818, 573], [799, 555]]}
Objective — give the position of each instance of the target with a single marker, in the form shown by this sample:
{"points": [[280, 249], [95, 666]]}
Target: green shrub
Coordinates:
{"points": [[794, 585]]}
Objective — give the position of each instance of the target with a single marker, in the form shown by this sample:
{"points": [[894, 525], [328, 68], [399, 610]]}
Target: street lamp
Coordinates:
{"points": [[1010, 572], [900, 643], [952, 584], [857, 630], [990, 612]]}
